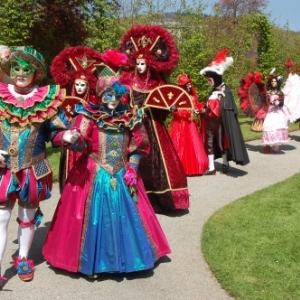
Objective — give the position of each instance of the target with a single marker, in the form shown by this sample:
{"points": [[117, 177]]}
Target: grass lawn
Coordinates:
{"points": [[53, 155], [253, 245]]}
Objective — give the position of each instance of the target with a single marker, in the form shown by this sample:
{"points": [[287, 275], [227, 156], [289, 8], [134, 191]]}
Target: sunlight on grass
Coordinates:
{"points": [[53, 155], [253, 244], [249, 135]]}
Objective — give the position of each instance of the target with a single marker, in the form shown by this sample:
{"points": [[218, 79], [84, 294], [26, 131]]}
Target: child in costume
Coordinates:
{"points": [[185, 134], [152, 55], [30, 116], [111, 226], [223, 133]]}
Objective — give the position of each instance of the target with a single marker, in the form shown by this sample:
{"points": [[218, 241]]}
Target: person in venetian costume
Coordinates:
{"points": [[275, 127], [223, 133], [111, 227], [30, 117], [186, 135], [152, 56], [291, 91], [74, 69]]}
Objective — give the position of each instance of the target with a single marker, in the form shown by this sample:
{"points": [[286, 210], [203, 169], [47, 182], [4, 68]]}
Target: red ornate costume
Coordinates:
{"points": [[162, 171], [186, 136]]}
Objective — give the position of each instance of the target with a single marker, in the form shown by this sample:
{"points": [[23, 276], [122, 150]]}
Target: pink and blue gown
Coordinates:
{"points": [[97, 226]]}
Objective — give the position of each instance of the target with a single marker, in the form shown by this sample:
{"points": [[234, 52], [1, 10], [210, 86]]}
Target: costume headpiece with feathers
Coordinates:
{"points": [[73, 63], [219, 65], [109, 72], [153, 43]]}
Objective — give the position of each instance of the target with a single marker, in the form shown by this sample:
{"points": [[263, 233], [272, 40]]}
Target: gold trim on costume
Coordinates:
{"points": [[160, 149]]}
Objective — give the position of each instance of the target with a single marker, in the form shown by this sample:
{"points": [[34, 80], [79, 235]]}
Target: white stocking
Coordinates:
{"points": [[25, 234], [224, 156], [211, 159], [5, 214]]}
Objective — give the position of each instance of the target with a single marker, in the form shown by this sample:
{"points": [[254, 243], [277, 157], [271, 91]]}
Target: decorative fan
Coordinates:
{"points": [[252, 94], [166, 96], [69, 104]]}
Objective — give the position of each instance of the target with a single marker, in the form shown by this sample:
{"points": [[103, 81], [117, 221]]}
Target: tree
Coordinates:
{"points": [[58, 24], [236, 8], [267, 54], [187, 29], [16, 21], [103, 24]]}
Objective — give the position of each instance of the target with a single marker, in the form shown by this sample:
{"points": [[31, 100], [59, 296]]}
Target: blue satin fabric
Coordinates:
{"points": [[114, 239]]}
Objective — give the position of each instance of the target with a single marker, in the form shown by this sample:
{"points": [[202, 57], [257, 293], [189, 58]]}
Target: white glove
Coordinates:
{"points": [[71, 136], [2, 158], [216, 95]]}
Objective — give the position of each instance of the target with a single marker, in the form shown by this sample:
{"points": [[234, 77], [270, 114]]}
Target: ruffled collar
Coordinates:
{"points": [[36, 107], [116, 120], [21, 96]]}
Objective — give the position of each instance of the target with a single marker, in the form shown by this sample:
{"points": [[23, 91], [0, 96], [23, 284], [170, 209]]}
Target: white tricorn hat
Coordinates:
{"points": [[219, 64]]}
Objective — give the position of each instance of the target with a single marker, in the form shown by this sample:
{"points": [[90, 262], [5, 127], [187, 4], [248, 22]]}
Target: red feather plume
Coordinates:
{"points": [[221, 57]]}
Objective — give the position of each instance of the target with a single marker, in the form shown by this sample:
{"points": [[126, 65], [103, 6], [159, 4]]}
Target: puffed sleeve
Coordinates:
{"points": [[139, 142]]}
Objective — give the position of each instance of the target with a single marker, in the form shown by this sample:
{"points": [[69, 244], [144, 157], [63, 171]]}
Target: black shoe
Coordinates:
{"points": [[210, 172], [225, 168]]}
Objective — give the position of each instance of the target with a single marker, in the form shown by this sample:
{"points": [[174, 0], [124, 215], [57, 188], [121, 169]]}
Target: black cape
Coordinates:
{"points": [[237, 151]]}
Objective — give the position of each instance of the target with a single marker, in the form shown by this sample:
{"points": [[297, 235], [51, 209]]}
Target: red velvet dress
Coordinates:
{"points": [[162, 171], [188, 142]]}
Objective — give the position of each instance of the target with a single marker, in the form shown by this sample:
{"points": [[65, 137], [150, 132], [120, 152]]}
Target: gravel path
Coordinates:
{"points": [[182, 275]]}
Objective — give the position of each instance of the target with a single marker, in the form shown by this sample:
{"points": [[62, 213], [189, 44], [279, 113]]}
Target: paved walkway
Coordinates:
{"points": [[182, 275]]}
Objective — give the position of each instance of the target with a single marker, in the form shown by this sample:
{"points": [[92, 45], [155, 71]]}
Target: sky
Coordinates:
{"points": [[281, 12]]}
